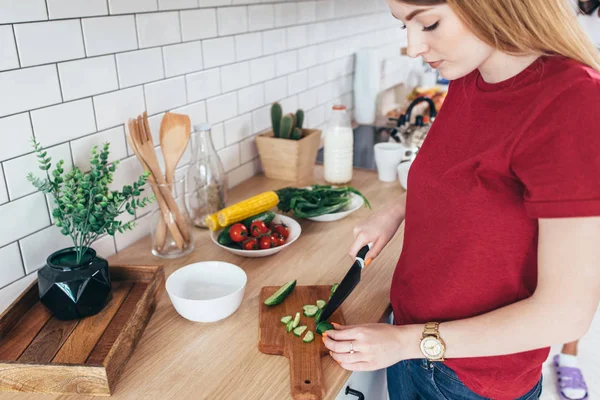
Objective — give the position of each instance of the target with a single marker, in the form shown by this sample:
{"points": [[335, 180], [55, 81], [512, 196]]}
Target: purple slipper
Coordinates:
{"points": [[569, 378]]}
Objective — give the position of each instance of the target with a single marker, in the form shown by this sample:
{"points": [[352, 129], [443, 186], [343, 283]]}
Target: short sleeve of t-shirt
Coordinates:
{"points": [[558, 158]]}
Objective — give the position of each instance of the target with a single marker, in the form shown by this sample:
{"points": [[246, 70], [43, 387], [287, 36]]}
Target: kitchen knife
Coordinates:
{"points": [[347, 285]]}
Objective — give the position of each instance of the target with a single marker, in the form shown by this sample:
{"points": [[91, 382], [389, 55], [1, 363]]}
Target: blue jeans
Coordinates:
{"points": [[420, 379]]}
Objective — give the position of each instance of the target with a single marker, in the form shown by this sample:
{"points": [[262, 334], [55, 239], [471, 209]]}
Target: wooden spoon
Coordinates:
{"points": [[174, 138], [134, 139]]}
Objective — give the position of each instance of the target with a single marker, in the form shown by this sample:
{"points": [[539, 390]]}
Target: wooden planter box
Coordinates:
{"points": [[40, 354], [286, 159]]}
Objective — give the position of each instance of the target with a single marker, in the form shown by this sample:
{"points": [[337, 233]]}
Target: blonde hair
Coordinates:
{"points": [[542, 27]]}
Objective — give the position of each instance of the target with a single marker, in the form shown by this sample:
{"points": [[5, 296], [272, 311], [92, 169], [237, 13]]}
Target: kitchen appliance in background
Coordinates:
{"points": [[367, 85]]}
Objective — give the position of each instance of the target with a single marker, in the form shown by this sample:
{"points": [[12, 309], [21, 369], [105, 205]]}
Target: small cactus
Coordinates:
{"points": [[297, 134], [299, 118], [286, 127], [276, 114]]}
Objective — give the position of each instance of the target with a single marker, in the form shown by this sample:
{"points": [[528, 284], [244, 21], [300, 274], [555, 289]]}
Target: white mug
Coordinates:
{"points": [[387, 157]]}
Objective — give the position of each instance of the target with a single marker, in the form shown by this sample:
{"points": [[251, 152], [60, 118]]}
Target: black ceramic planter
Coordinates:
{"points": [[70, 290]]}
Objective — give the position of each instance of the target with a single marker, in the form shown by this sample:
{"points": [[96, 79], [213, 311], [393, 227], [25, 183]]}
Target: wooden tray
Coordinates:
{"points": [[306, 372], [40, 354]]}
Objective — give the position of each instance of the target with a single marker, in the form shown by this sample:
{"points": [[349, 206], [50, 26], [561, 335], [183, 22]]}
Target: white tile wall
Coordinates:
{"points": [[131, 6], [218, 52], [15, 133], [235, 76], [165, 95], [115, 108], [248, 46], [17, 169], [8, 49], [231, 20], [198, 24], [3, 191], [24, 216], [105, 35], [22, 10], [46, 42], [63, 122], [81, 148], [182, 58], [221, 108], [251, 98], [11, 267], [72, 72], [157, 29], [76, 8], [203, 85], [261, 17], [237, 129], [37, 247], [83, 78], [262, 69], [29, 88], [140, 66]]}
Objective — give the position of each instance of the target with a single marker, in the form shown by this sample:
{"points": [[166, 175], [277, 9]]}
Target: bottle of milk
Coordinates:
{"points": [[338, 147]]}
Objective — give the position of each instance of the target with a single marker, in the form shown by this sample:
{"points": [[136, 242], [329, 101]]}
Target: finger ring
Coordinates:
{"points": [[351, 348]]}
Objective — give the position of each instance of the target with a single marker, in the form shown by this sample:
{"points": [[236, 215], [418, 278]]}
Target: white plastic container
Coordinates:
{"points": [[338, 146], [367, 85]]}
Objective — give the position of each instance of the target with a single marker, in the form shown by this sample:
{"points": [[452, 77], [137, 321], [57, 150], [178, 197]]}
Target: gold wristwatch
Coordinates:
{"points": [[432, 345]]}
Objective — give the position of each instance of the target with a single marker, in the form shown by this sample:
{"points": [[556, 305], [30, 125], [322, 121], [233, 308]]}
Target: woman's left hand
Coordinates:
{"points": [[376, 346]]}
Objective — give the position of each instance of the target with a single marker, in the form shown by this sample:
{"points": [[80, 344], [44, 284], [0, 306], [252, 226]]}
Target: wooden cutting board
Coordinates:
{"points": [[306, 373]]}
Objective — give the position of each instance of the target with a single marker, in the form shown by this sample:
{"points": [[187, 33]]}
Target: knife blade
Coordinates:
{"points": [[346, 286]]}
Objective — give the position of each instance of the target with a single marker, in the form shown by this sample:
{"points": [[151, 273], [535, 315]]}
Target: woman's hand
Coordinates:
{"points": [[378, 229], [375, 346]]}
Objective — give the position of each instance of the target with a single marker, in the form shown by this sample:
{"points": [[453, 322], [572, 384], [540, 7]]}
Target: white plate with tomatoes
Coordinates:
{"points": [[261, 240]]}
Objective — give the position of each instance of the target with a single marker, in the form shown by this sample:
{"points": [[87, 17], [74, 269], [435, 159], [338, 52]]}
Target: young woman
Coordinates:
{"points": [[502, 227]]}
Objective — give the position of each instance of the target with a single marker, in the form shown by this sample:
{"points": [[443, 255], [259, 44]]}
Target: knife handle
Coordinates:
{"points": [[362, 253]]}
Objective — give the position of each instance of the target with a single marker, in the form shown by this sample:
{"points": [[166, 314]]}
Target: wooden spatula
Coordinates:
{"points": [[174, 138]]}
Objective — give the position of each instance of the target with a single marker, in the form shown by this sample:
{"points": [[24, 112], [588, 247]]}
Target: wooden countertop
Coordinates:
{"points": [[179, 359]]}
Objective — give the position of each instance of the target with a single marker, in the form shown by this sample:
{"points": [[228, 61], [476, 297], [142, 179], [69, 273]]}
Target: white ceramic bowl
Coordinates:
{"points": [[292, 225], [356, 202], [207, 291]]}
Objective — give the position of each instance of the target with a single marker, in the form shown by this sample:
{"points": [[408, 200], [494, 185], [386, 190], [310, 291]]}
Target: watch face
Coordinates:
{"points": [[432, 348]]}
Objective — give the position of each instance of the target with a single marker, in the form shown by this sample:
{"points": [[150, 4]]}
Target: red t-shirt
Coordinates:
{"points": [[497, 157]]}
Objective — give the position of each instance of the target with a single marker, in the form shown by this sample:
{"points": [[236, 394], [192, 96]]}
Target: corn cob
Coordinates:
{"points": [[247, 208], [212, 222]]}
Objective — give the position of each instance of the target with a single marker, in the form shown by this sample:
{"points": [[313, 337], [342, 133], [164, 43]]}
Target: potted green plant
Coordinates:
{"points": [[288, 151], [75, 282]]}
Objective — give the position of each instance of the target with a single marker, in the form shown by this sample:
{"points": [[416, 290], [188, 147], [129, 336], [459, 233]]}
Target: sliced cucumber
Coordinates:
{"points": [[334, 287], [309, 337], [300, 330], [296, 320], [321, 304], [318, 315], [286, 319], [323, 327], [310, 310], [288, 327], [281, 293]]}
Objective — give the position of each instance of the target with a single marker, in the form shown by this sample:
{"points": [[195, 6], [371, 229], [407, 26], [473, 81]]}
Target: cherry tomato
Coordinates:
{"points": [[282, 229], [250, 244], [258, 228], [265, 242], [278, 239], [238, 232]]}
